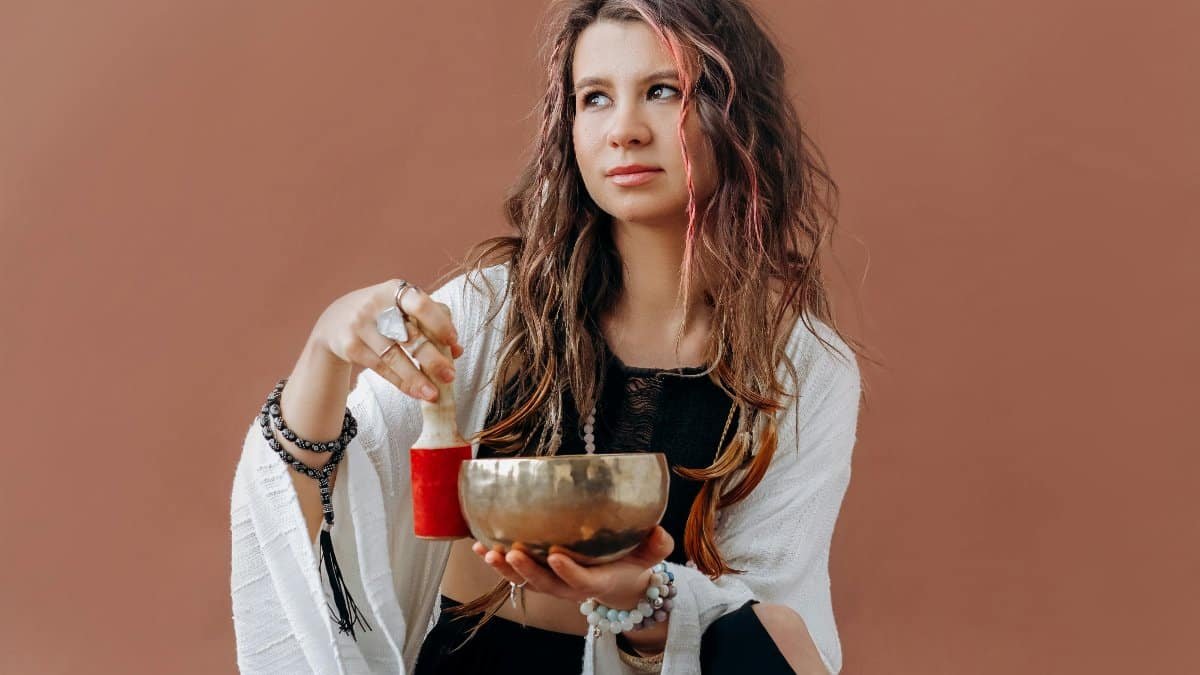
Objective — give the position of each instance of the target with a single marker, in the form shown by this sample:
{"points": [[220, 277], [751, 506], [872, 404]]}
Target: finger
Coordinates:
{"points": [[394, 366], [428, 316], [541, 578], [497, 563], [454, 329], [433, 316], [654, 548], [572, 573], [431, 358]]}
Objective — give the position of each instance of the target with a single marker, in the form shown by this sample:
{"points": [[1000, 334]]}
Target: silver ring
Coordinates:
{"points": [[513, 589], [389, 348], [411, 350], [404, 286], [392, 323]]}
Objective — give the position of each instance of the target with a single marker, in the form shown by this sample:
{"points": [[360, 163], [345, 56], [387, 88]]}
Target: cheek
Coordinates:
{"points": [[586, 158], [584, 140]]}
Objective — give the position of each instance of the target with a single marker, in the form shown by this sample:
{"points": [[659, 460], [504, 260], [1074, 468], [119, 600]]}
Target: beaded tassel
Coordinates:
{"points": [[347, 615]]}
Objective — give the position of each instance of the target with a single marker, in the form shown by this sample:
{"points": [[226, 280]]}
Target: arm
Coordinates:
{"points": [[313, 402], [280, 611], [279, 601]]}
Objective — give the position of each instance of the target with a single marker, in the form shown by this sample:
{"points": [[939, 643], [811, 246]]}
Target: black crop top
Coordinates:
{"points": [[677, 412]]}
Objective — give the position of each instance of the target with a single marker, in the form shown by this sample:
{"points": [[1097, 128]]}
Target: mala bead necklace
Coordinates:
{"points": [[348, 615]]}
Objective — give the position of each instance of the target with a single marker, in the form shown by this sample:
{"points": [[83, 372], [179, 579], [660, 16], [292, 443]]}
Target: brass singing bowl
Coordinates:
{"points": [[593, 508]]}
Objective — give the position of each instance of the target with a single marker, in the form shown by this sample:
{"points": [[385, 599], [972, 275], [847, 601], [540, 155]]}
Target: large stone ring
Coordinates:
{"points": [[392, 322]]}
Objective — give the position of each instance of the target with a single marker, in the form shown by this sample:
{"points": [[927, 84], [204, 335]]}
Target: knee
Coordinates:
{"points": [[781, 618], [790, 635]]}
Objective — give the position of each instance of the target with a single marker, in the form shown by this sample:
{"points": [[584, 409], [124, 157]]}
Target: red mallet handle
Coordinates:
{"points": [[434, 461], [436, 513]]}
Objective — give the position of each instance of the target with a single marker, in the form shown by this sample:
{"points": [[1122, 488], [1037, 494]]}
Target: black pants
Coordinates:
{"points": [[734, 644]]}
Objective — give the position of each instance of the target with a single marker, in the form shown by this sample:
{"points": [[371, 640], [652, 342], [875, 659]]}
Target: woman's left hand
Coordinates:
{"points": [[620, 583]]}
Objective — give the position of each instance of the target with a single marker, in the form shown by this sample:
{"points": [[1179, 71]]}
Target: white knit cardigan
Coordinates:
{"points": [[779, 535]]}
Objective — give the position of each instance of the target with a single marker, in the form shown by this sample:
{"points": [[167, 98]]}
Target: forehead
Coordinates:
{"points": [[617, 51]]}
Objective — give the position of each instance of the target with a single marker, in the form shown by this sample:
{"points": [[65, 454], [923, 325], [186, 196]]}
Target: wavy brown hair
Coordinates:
{"points": [[774, 207]]}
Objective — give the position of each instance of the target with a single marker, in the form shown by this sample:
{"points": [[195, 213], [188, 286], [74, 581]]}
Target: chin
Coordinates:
{"points": [[647, 210]]}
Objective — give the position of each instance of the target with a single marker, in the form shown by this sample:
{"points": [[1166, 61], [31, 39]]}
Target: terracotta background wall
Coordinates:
{"points": [[184, 186]]}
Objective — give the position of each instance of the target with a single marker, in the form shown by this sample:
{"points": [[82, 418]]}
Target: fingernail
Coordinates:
{"points": [[447, 374], [428, 392]]}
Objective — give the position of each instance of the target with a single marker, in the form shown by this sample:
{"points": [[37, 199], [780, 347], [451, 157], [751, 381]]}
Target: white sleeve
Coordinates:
{"points": [[280, 602], [779, 535]]}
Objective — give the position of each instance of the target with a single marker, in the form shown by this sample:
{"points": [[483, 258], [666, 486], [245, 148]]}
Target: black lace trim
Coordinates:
{"points": [[632, 426], [634, 414], [640, 371], [630, 408]]}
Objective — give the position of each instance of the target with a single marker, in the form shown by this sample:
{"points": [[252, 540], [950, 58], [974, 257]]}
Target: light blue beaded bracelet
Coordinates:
{"points": [[659, 600]]}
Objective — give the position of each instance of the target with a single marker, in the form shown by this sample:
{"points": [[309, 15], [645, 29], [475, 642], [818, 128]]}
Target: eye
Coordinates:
{"points": [[666, 91], [587, 98]]}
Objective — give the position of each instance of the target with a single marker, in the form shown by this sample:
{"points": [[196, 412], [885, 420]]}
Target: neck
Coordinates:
{"points": [[652, 261]]}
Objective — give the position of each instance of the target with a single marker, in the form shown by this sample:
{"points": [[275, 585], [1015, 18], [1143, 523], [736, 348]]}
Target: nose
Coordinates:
{"points": [[628, 128]]}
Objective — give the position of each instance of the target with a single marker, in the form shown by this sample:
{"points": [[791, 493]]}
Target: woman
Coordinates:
{"points": [[670, 218]]}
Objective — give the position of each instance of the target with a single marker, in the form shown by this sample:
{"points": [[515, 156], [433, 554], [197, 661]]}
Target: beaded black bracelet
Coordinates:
{"points": [[348, 614], [321, 475], [349, 425]]}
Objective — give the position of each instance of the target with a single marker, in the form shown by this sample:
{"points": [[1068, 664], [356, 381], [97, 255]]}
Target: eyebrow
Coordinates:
{"points": [[659, 75]]}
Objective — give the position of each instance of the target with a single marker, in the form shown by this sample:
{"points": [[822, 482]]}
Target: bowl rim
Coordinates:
{"points": [[569, 458]]}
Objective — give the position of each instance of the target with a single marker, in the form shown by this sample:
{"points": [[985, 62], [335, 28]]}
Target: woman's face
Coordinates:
{"points": [[627, 109]]}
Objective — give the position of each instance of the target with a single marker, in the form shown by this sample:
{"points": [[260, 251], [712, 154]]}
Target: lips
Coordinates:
{"points": [[630, 175], [631, 168]]}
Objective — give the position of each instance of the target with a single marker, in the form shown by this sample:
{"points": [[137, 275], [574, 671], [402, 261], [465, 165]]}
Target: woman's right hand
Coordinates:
{"points": [[347, 331]]}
